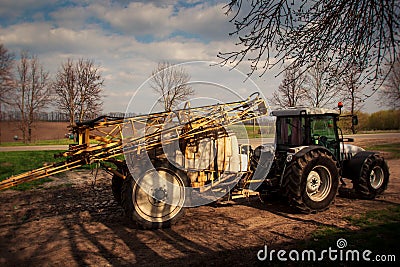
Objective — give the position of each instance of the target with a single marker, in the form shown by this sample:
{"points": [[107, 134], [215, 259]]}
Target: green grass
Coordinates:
{"points": [[63, 141], [16, 162], [393, 149]]}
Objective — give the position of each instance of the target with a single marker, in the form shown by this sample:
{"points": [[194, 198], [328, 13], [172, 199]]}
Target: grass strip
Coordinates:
{"points": [[16, 162]]}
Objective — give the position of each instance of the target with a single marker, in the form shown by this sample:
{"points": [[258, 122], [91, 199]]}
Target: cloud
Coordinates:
{"points": [[44, 38], [204, 20], [71, 17], [111, 33], [161, 21], [137, 18], [12, 11]]}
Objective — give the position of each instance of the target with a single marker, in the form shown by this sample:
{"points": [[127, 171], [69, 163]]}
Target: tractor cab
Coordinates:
{"points": [[301, 127]]}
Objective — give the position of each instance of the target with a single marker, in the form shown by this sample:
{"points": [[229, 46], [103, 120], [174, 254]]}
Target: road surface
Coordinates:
{"points": [[33, 148]]}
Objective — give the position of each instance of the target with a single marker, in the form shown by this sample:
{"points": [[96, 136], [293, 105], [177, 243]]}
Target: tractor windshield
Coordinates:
{"points": [[323, 132]]}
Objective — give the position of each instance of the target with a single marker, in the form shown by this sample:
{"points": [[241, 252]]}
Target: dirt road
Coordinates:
{"points": [[72, 222]]}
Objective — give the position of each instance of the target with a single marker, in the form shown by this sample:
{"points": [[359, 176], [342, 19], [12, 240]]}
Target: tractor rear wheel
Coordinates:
{"points": [[156, 197], [311, 181], [373, 179]]}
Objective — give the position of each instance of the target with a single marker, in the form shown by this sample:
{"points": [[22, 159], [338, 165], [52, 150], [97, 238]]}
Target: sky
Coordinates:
{"points": [[127, 39]]}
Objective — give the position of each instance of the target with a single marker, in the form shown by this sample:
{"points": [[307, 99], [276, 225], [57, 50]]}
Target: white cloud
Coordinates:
{"points": [[137, 18], [43, 38]]}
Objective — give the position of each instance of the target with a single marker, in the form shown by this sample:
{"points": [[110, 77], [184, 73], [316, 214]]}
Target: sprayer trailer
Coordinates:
{"points": [[161, 163]]}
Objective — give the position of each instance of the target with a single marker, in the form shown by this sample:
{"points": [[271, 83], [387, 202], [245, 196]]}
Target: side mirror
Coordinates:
{"points": [[354, 120]]}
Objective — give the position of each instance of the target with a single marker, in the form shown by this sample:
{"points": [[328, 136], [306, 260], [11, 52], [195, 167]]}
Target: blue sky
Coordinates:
{"points": [[127, 39]]}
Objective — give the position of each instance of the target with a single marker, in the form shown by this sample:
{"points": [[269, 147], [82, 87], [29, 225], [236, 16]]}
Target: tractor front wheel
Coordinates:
{"points": [[311, 181]]}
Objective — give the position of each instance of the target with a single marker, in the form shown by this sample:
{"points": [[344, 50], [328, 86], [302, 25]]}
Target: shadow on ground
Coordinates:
{"points": [[80, 226]]}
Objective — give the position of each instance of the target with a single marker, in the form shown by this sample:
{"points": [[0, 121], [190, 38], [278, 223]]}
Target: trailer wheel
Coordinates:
{"points": [[311, 181], [373, 179], [151, 200], [116, 186]]}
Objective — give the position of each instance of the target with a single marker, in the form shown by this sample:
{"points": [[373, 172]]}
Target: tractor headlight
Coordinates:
{"points": [[289, 158]]}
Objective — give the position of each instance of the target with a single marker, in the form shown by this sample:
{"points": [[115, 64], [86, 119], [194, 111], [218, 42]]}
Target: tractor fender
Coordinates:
{"points": [[305, 150], [351, 168]]}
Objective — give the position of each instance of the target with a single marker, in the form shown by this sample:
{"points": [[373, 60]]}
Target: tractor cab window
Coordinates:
{"points": [[323, 132], [290, 131]]}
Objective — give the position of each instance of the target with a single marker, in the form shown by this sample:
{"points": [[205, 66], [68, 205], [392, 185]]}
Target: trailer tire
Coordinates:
{"points": [[374, 178], [151, 212], [311, 181]]}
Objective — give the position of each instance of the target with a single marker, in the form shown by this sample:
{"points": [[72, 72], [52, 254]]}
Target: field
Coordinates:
{"points": [[73, 220], [41, 131]]}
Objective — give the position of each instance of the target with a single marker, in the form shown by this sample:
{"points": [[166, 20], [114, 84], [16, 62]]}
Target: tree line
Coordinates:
{"points": [[56, 116], [381, 120], [27, 88]]}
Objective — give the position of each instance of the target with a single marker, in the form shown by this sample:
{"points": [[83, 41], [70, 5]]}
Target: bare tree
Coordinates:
{"points": [[291, 91], [65, 89], [171, 84], [389, 96], [32, 92], [6, 73], [352, 91], [6, 77], [90, 87], [309, 32], [321, 90], [79, 87]]}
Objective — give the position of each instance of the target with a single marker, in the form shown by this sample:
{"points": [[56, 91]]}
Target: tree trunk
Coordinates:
{"points": [[29, 134], [71, 119], [353, 128]]}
